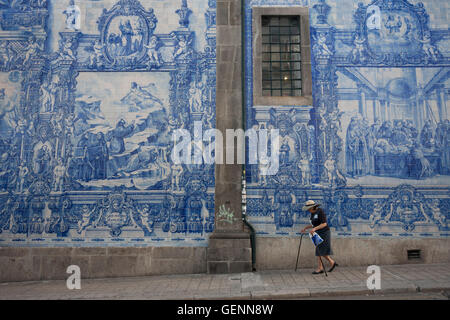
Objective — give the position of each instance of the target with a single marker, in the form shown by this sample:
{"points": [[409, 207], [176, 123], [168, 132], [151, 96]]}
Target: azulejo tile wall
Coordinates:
{"points": [[90, 93], [373, 148]]}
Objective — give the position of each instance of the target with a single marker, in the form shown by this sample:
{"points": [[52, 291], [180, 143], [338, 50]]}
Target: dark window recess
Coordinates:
{"points": [[413, 254], [281, 62]]}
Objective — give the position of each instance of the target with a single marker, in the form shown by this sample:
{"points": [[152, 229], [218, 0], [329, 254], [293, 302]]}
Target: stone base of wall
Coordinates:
{"points": [[280, 253], [27, 264], [224, 256], [229, 253]]}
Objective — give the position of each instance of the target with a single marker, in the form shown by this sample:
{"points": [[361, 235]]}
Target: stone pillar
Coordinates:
{"points": [[384, 116], [388, 110], [377, 107], [376, 114], [229, 248], [441, 102], [420, 99], [420, 110], [362, 102], [381, 100]]}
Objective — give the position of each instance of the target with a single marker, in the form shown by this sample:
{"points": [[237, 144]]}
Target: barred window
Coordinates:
{"points": [[281, 56]]}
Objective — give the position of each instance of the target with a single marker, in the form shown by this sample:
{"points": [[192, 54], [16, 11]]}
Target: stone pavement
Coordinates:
{"points": [[258, 285]]}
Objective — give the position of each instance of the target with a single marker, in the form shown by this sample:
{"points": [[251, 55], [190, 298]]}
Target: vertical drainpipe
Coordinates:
{"points": [[244, 123]]}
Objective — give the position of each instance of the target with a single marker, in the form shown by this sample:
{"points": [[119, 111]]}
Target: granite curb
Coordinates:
{"points": [[264, 285], [296, 293], [319, 292]]}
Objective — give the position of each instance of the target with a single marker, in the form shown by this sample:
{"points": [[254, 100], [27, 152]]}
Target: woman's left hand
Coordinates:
{"points": [[312, 231]]}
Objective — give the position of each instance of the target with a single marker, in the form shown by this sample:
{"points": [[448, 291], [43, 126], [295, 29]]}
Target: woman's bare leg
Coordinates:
{"points": [[320, 265], [331, 261]]}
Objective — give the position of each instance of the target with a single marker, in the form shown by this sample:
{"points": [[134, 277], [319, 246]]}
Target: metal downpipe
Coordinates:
{"points": [[244, 123]]}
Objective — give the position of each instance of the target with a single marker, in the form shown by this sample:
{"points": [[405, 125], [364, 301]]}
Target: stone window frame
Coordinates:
{"points": [[306, 98]]}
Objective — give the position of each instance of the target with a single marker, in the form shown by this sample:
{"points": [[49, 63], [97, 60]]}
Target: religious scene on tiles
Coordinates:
{"points": [[86, 122], [374, 148]]}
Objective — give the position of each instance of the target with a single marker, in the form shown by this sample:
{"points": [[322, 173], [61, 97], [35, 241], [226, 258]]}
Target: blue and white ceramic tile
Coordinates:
{"points": [[374, 147], [86, 118], [87, 114]]}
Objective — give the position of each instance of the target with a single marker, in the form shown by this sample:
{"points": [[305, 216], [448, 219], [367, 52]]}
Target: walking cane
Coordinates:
{"points": [[326, 275], [298, 253]]}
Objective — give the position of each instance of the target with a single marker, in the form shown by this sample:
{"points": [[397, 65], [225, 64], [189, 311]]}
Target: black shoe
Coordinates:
{"points": [[333, 266], [315, 272]]}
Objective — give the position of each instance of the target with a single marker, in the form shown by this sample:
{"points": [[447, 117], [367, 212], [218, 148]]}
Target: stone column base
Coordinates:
{"points": [[229, 252]]}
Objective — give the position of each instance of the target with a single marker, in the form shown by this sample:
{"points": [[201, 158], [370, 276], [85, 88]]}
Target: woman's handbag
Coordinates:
{"points": [[316, 239]]}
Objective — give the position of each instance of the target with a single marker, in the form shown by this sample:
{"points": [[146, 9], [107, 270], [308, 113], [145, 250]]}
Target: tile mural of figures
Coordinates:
{"points": [[122, 132], [87, 111], [86, 116], [391, 130], [377, 129]]}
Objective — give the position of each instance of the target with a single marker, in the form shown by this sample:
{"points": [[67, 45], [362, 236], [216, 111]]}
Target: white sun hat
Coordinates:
{"points": [[310, 204]]}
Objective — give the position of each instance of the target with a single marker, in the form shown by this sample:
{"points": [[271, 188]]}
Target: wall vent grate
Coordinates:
{"points": [[414, 254]]}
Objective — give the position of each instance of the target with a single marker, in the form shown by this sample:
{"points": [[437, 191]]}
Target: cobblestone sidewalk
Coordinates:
{"points": [[257, 285]]}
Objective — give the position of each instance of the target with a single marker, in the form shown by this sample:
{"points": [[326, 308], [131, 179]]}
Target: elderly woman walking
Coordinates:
{"points": [[319, 225]]}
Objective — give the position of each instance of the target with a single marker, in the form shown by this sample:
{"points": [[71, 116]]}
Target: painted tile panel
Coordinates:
{"points": [[91, 92], [372, 149]]}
